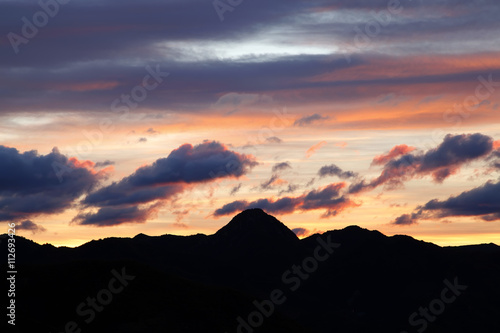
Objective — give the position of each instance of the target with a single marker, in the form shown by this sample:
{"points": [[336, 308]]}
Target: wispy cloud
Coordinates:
{"points": [[312, 150]]}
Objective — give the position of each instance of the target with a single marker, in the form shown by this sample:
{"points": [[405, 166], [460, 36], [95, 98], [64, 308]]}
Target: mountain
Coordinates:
{"points": [[255, 275], [255, 226]]}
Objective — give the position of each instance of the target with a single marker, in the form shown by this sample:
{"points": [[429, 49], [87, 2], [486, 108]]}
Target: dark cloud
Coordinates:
{"points": [[308, 120], [163, 179], [33, 184], [333, 170], [405, 219], [281, 166], [125, 193], [291, 188], [152, 131], [456, 150], [143, 140], [440, 162], [111, 216], [360, 186], [236, 189], [275, 179], [310, 182], [273, 139], [31, 226], [327, 198], [266, 185], [231, 208], [482, 202], [187, 164], [284, 205], [495, 156], [104, 164]]}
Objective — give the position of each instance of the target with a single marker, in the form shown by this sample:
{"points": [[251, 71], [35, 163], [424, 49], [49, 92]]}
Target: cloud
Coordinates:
{"points": [[303, 232], [333, 170], [31, 226], [281, 166], [32, 184], [143, 140], [104, 164], [231, 208], [482, 202], [98, 56], [162, 180], [290, 189], [495, 155], [393, 153], [275, 179], [179, 216], [311, 151], [233, 100], [270, 182], [308, 120], [236, 189], [300, 231], [440, 162], [112, 216], [327, 198], [273, 139], [191, 164], [151, 131], [405, 219]]}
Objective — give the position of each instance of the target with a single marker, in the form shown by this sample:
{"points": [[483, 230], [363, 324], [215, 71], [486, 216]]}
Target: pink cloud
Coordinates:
{"points": [[394, 152], [311, 151]]}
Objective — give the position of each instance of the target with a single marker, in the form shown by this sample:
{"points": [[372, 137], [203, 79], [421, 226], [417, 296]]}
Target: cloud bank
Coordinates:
{"points": [[136, 198]]}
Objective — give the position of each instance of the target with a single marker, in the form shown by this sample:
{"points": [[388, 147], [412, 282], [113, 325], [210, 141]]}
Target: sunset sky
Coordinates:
{"points": [[120, 117]]}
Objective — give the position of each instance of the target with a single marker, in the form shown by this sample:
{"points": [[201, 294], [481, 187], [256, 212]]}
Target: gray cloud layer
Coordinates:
{"points": [[91, 52]]}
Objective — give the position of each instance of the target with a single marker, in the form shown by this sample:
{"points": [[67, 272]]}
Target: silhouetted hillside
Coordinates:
{"points": [[349, 280]]}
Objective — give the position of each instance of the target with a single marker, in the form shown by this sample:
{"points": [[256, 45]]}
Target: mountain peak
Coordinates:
{"points": [[256, 226]]}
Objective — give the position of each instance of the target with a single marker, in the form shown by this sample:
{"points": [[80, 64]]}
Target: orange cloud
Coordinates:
{"points": [[311, 151], [90, 166], [394, 152], [82, 164], [303, 232]]}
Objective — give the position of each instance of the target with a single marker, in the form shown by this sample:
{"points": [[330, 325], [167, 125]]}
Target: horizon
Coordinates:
{"points": [[299, 233], [168, 117]]}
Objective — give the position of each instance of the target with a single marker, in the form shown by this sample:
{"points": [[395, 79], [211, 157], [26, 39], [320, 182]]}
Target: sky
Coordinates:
{"points": [[120, 117]]}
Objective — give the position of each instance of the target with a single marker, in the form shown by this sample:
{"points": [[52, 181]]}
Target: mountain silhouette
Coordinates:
{"points": [[254, 225], [255, 275]]}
